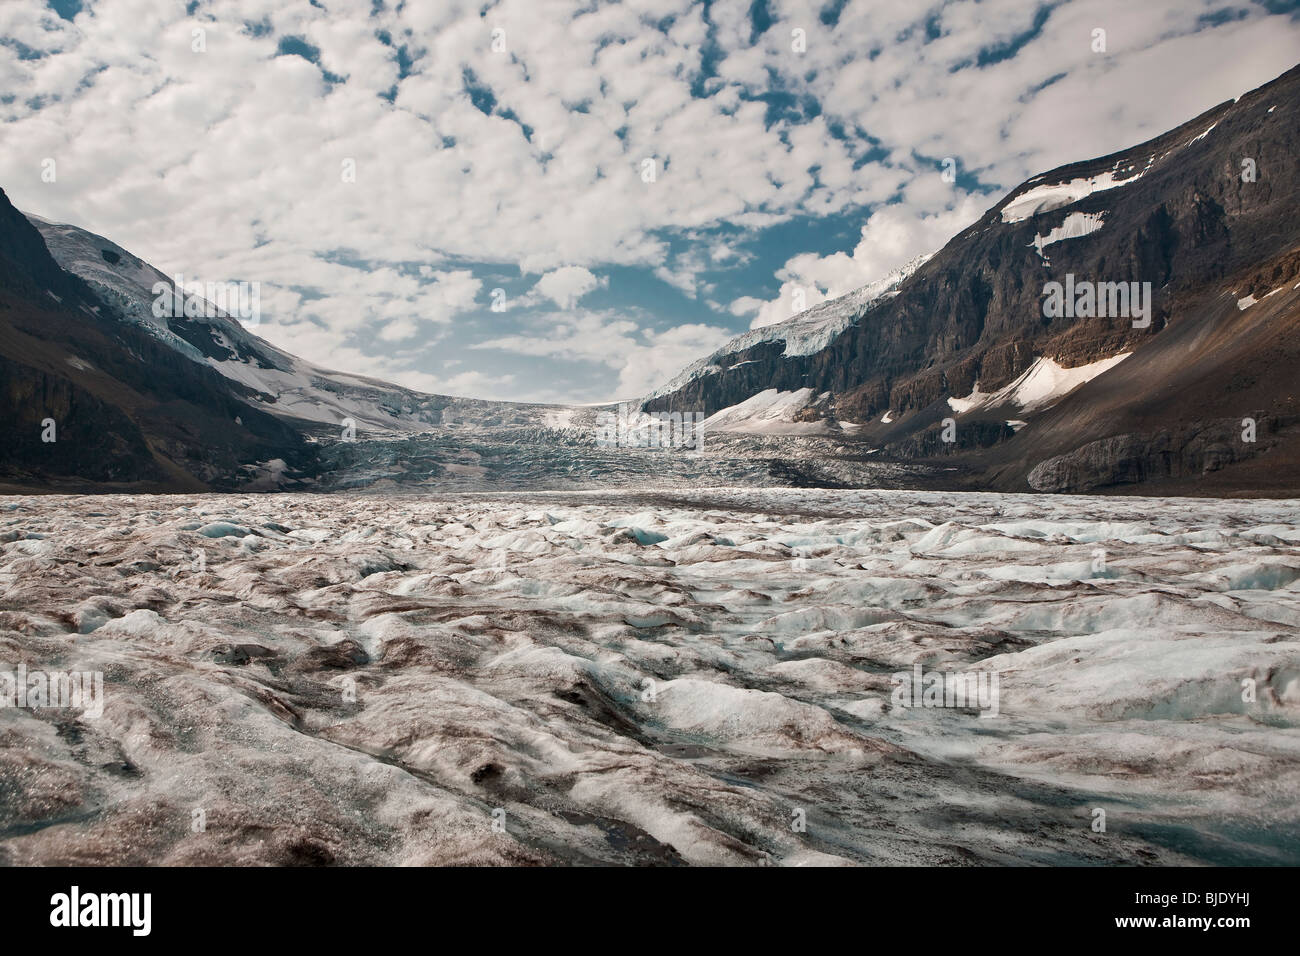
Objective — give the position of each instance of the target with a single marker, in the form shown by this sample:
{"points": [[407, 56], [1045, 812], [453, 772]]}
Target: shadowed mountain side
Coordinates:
{"points": [[1205, 214], [125, 412]]}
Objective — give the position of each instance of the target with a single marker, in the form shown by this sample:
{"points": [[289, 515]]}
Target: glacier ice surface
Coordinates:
{"points": [[628, 677]]}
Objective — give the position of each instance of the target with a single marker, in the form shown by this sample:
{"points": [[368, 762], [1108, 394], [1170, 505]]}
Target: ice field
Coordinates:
{"points": [[716, 676]]}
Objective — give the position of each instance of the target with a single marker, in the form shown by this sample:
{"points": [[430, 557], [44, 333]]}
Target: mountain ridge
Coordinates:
{"points": [[951, 367], [1176, 212], [90, 403], [314, 398]]}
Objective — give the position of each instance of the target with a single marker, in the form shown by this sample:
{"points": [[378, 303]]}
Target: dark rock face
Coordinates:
{"points": [[125, 412], [1186, 215], [1134, 458], [92, 439]]}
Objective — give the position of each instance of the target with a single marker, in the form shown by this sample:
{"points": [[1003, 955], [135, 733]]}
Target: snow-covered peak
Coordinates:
{"points": [[124, 280], [808, 332], [285, 385]]}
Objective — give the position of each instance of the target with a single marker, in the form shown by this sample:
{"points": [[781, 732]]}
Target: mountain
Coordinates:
{"points": [[92, 403], [805, 334], [408, 439], [968, 347], [1124, 323], [193, 399], [311, 398]]}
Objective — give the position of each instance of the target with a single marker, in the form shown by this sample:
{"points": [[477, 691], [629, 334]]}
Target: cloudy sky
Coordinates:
{"points": [[567, 200]]}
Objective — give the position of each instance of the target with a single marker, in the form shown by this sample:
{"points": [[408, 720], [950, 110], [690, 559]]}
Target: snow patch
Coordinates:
{"points": [[769, 412], [1075, 226], [1042, 385], [1041, 199]]}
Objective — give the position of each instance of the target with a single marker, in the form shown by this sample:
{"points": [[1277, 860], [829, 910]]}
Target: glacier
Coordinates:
{"points": [[696, 676]]}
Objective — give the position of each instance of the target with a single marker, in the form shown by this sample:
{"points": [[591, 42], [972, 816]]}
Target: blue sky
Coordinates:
{"points": [[382, 168]]}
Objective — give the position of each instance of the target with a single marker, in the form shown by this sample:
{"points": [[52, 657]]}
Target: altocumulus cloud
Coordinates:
{"points": [[640, 180]]}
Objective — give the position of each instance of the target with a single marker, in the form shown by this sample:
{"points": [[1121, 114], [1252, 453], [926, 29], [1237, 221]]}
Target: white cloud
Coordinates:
{"points": [[229, 163], [643, 358], [567, 285], [662, 355], [892, 237]]}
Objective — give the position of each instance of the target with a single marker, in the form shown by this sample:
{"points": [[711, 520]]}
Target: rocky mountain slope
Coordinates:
{"points": [[1171, 369], [186, 402], [312, 398], [90, 402], [961, 363]]}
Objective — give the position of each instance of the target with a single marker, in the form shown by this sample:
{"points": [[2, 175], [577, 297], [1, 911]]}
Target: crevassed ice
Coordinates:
{"points": [[639, 680]]}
